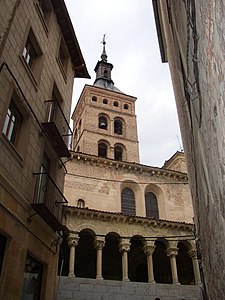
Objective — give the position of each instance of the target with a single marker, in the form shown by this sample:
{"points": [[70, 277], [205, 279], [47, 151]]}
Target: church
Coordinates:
{"points": [[131, 231]]}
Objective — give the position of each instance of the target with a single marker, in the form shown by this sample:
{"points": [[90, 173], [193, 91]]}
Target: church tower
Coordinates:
{"points": [[104, 120]]}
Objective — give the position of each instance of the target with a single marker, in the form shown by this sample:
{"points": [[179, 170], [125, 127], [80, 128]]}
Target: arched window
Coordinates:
{"points": [[102, 122], [115, 103], [126, 106], [94, 98], [118, 153], [128, 202], [118, 126], [105, 73], [105, 101], [102, 149], [151, 205], [80, 203]]}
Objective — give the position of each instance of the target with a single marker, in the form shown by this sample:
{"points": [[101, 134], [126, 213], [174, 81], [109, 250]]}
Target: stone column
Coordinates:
{"points": [[72, 243], [193, 254], [99, 244], [124, 248], [172, 253], [148, 250]]}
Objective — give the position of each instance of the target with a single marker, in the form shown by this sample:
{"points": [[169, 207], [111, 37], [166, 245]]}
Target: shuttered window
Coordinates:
{"points": [[151, 205], [128, 202]]}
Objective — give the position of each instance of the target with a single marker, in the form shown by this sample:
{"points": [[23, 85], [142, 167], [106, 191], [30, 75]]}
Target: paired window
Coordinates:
{"points": [[32, 279], [128, 202], [102, 122], [12, 124], [3, 241], [102, 149], [151, 205], [118, 126]]}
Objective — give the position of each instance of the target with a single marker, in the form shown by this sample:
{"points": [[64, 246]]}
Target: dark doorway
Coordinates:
{"points": [[161, 264], [137, 261]]}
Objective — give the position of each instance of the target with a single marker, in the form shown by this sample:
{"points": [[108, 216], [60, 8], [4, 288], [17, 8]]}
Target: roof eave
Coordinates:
{"points": [[71, 41], [160, 31]]}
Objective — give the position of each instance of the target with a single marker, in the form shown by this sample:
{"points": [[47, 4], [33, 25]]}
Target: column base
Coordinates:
{"points": [[71, 275], [177, 283], [126, 279], [152, 282], [99, 277]]}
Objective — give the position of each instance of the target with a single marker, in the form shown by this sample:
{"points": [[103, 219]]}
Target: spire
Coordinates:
{"points": [[103, 71], [104, 55]]}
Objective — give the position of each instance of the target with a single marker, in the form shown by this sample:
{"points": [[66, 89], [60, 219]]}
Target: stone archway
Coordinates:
{"points": [[184, 264], [111, 258], [161, 263], [85, 262], [137, 260]]}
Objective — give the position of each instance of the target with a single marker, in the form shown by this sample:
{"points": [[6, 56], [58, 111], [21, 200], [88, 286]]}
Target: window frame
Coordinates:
{"points": [[102, 118], [34, 65], [151, 205], [63, 57], [116, 128], [128, 207], [100, 148]]}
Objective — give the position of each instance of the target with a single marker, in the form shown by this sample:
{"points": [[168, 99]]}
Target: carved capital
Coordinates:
{"points": [[124, 247], [193, 253], [72, 241], [148, 250], [172, 252], [99, 244]]}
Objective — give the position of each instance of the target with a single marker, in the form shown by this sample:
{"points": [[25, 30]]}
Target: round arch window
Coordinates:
{"points": [[102, 122], [118, 153], [118, 126], [102, 149]]}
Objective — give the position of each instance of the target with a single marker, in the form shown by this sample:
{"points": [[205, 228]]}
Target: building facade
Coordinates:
{"points": [[128, 223], [39, 58], [191, 38]]}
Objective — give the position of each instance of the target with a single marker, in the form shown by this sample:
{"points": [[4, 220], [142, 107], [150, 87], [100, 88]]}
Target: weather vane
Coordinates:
{"points": [[103, 40]]}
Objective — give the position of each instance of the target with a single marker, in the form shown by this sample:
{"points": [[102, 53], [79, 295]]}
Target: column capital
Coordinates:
{"points": [[172, 252], [124, 246], [72, 241], [149, 249], [99, 244], [193, 253]]}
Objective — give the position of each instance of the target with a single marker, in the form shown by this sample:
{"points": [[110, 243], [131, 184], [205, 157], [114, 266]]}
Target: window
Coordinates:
{"points": [[94, 98], [126, 106], [2, 250], [102, 122], [115, 103], [106, 73], [128, 202], [63, 57], [12, 124], [151, 205], [118, 153], [102, 149], [32, 279], [118, 126], [105, 101], [80, 203], [32, 52], [46, 9]]}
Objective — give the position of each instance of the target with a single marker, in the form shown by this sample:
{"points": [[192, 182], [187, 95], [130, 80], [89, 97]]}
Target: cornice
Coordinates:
{"points": [[122, 218], [132, 167]]}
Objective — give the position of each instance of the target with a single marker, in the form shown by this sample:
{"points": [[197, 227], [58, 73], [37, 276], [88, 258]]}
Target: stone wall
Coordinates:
{"points": [[85, 289], [195, 44]]}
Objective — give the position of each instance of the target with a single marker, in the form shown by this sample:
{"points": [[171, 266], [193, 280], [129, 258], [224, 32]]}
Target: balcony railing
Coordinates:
{"points": [[57, 129], [48, 201]]}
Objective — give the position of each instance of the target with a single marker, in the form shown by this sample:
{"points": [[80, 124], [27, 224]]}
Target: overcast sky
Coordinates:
{"points": [[132, 47]]}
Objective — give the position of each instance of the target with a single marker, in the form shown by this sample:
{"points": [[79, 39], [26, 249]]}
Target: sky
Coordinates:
{"points": [[132, 48]]}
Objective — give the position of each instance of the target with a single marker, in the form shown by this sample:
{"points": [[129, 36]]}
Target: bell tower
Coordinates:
{"points": [[104, 120]]}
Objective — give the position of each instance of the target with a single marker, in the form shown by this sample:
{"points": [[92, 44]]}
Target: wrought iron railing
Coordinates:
{"points": [[57, 120], [48, 199]]}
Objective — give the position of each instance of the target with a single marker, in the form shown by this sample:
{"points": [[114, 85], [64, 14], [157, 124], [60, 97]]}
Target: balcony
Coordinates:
{"points": [[48, 201], [57, 129]]}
